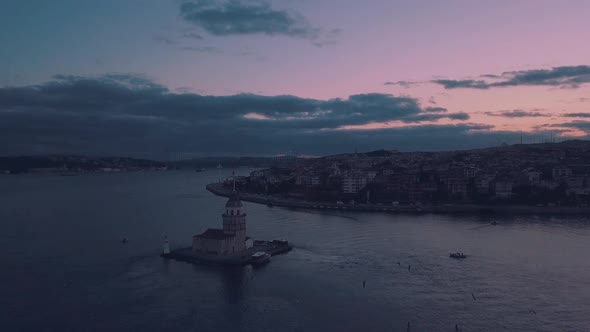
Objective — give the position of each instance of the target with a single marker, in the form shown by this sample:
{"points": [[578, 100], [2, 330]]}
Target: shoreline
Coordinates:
{"points": [[219, 190]]}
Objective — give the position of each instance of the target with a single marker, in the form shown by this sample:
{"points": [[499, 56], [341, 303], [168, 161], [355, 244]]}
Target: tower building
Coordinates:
{"points": [[232, 239]]}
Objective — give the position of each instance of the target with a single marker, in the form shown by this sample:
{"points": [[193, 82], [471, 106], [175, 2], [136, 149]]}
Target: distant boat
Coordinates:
{"points": [[260, 258], [494, 223], [457, 255], [219, 166], [199, 169]]}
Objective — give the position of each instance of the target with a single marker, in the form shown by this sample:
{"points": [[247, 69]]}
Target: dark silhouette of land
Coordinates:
{"points": [[540, 175]]}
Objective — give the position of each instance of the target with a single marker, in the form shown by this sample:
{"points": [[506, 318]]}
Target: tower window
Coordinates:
{"points": [[232, 212], [238, 212]]}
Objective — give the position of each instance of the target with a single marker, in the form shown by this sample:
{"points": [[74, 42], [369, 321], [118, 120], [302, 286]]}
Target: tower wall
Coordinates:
{"points": [[234, 222], [236, 225]]}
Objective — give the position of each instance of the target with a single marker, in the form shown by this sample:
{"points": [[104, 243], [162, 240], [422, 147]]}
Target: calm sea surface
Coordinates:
{"points": [[64, 268]]}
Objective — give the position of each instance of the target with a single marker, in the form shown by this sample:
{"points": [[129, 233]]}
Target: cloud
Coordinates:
{"points": [[120, 114], [576, 115], [563, 77], [404, 84], [164, 40], [457, 84], [219, 51], [437, 116], [579, 125], [435, 109], [518, 114], [203, 49], [192, 35], [233, 17]]}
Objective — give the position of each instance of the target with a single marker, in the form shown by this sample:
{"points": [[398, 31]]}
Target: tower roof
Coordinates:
{"points": [[234, 200]]}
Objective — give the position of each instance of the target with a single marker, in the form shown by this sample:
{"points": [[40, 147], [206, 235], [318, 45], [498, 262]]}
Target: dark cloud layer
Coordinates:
{"points": [[518, 114], [579, 125], [131, 115], [564, 77], [577, 115], [233, 17]]}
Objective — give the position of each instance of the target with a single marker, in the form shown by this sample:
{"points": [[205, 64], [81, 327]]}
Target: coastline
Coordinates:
{"points": [[219, 190]]}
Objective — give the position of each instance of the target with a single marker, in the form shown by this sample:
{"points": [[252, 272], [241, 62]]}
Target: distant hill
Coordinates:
{"points": [[232, 162], [564, 145], [24, 164], [20, 164]]}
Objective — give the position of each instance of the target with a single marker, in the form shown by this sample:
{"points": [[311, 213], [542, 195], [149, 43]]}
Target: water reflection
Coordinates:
{"points": [[235, 281]]}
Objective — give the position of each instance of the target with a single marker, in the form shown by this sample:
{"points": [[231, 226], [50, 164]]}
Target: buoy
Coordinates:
{"points": [[456, 327], [124, 240], [364, 282], [166, 247]]}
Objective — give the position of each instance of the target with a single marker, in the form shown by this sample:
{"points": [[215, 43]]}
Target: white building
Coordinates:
{"points": [[371, 175], [483, 182], [534, 176], [561, 172], [232, 238], [469, 172], [353, 183], [504, 188]]}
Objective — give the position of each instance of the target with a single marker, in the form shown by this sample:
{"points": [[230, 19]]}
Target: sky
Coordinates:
{"points": [[168, 79]]}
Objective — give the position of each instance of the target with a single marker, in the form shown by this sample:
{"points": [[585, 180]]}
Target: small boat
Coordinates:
{"points": [[494, 223], [199, 170], [260, 258], [219, 166], [457, 255]]}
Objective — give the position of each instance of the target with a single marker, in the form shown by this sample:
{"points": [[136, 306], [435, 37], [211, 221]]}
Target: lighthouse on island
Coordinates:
{"points": [[232, 239], [229, 245]]}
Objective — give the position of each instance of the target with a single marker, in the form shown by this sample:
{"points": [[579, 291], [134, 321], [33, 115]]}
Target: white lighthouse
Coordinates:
{"points": [[166, 246]]}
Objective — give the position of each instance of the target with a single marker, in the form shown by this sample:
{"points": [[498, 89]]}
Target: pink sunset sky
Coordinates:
{"points": [[439, 53]]}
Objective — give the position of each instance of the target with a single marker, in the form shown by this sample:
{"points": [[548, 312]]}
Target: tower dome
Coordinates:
{"points": [[234, 206], [233, 201]]}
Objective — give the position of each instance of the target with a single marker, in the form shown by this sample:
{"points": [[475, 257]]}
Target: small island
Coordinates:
{"points": [[229, 245]]}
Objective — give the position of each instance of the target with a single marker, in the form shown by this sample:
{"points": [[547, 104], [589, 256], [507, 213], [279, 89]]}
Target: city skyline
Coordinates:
{"points": [[155, 78]]}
